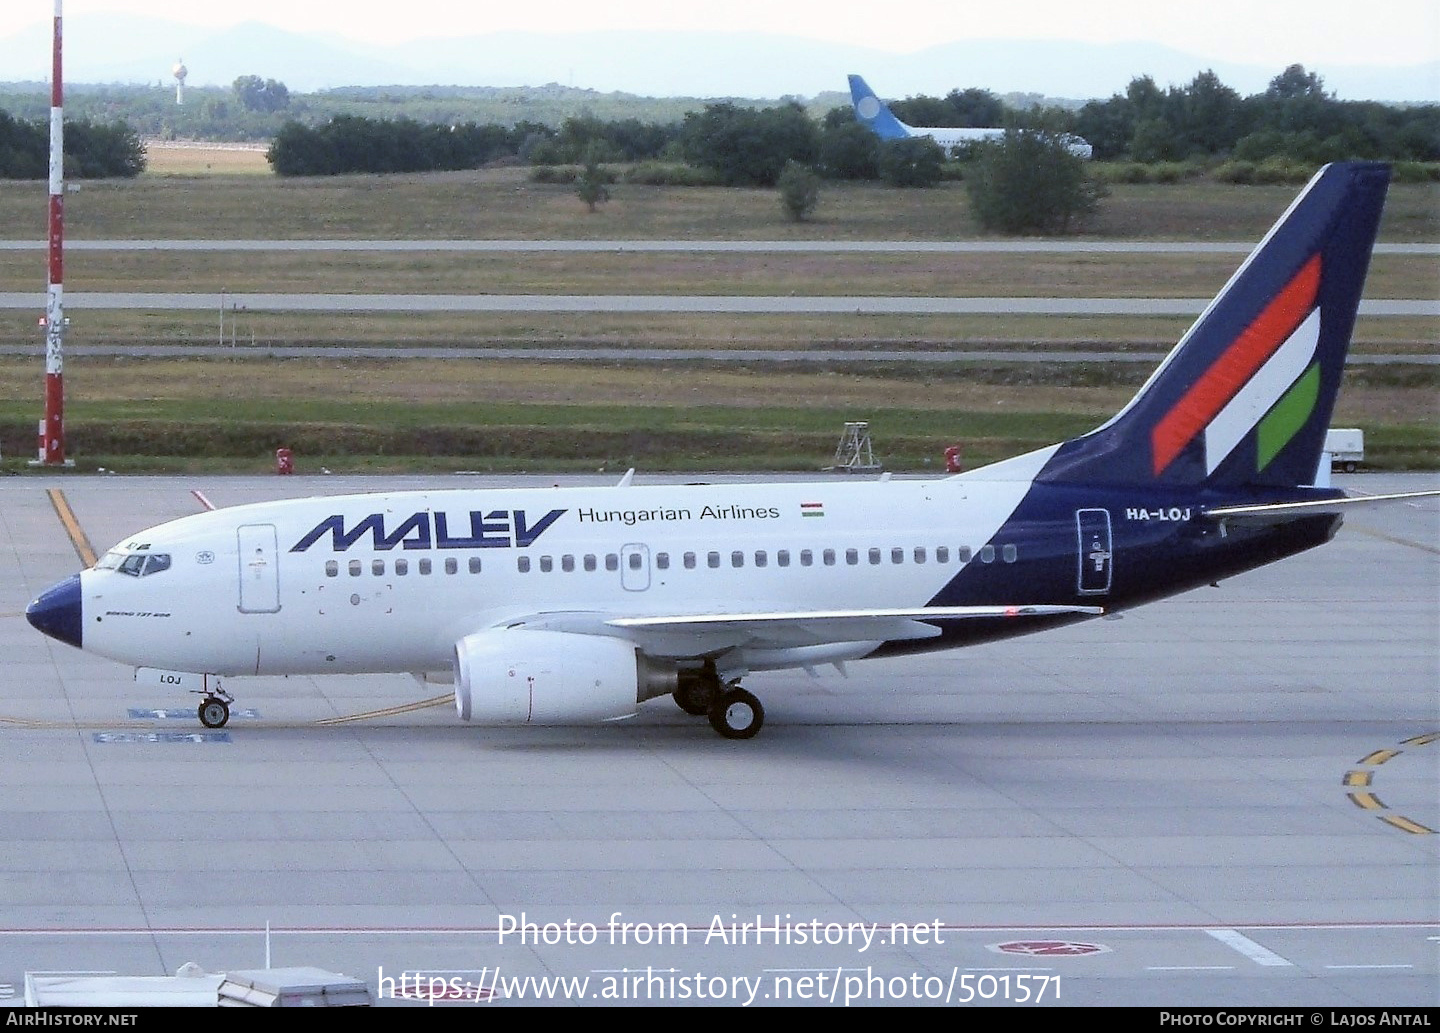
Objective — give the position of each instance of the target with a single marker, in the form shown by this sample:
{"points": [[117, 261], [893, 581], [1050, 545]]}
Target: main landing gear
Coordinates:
{"points": [[214, 709], [733, 712], [736, 714]]}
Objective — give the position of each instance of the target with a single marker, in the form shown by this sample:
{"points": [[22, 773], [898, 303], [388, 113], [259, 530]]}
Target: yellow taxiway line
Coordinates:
{"points": [[83, 548]]}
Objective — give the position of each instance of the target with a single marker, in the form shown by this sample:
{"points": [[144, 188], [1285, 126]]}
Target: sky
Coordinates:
{"points": [[1273, 33]]}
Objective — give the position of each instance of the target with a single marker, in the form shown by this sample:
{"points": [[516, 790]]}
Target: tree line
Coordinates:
{"points": [[1295, 119], [351, 143], [93, 150]]}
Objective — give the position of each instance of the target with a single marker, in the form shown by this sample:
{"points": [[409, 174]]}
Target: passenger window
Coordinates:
{"points": [[474, 564], [919, 554], [1009, 554], [987, 554], [963, 554], [452, 565], [355, 567], [782, 558], [874, 556], [662, 561], [402, 567], [612, 561], [332, 569], [737, 558], [635, 560], [567, 563], [852, 556], [942, 554], [589, 561], [425, 568], [689, 561], [522, 564], [546, 564], [897, 555], [712, 559], [807, 558], [377, 567], [760, 558], [829, 557]]}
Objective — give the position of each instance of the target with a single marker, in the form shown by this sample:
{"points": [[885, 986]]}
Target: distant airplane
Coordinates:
{"points": [[872, 113], [562, 605]]}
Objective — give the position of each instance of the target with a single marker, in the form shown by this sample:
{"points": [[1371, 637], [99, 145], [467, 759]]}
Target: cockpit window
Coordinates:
{"points": [[136, 564]]}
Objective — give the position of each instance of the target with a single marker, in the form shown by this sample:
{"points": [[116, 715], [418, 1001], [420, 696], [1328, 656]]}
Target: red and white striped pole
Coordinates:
{"points": [[52, 433]]}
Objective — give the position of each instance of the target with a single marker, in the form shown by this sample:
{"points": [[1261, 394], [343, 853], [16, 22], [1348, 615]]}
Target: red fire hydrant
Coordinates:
{"points": [[284, 461]]}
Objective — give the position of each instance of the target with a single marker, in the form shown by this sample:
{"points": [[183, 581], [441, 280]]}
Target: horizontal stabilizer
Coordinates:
{"points": [[1314, 507]]}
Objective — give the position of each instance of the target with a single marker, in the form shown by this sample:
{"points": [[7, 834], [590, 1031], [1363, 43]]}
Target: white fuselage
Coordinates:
{"points": [[390, 582], [949, 138]]}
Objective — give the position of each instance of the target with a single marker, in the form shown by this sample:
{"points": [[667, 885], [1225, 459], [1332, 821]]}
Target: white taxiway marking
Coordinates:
{"points": [[1248, 947], [1189, 968]]}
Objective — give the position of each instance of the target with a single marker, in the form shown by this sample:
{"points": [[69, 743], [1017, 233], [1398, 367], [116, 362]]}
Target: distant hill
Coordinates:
{"points": [[103, 48]]}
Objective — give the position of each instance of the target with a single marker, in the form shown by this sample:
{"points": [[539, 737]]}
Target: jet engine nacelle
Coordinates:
{"points": [[552, 677]]}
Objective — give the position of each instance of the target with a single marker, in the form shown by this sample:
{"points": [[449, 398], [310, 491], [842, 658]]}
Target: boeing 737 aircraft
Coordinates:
{"points": [[872, 113], [562, 605]]}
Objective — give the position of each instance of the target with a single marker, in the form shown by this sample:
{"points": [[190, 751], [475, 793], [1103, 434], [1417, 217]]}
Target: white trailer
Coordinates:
{"points": [[1346, 447]]}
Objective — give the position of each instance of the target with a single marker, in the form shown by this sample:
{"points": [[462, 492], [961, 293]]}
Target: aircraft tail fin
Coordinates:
{"points": [[1246, 396], [872, 113]]}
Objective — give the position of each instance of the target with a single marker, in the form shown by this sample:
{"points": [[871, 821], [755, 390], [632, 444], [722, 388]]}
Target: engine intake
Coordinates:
{"points": [[550, 677]]}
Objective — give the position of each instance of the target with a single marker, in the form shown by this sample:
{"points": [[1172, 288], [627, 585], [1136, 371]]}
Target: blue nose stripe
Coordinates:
{"points": [[57, 612]]}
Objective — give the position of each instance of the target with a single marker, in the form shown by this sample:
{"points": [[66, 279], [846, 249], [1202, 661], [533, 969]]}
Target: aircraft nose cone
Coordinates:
{"points": [[57, 612]]}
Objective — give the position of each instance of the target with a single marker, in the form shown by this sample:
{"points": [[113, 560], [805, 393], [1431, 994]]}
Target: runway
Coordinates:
{"points": [[649, 303], [1226, 798], [1151, 247], [829, 356]]}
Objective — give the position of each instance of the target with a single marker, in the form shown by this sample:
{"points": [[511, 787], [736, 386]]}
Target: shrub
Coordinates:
{"points": [[799, 191], [1241, 172], [916, 161], [1030, 182], [671, 174], [1416, 172]]}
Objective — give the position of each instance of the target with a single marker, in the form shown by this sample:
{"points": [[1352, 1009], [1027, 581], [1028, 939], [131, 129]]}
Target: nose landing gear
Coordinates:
{"points": [[214, 709]]}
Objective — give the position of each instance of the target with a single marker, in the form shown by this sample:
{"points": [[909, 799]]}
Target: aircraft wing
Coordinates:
{"points": [[691, 635], [785, 629]]}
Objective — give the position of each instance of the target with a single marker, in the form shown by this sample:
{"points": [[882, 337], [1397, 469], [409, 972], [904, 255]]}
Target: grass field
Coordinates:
{"points": [[706, 273], [503, 204], [377, 414]]}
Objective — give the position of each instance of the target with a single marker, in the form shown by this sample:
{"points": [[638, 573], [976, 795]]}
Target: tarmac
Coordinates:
{"points": [[1227, 798]]}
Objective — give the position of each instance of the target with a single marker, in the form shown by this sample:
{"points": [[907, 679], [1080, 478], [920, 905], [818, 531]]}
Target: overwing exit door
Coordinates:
{"points": [[635, 567]]}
